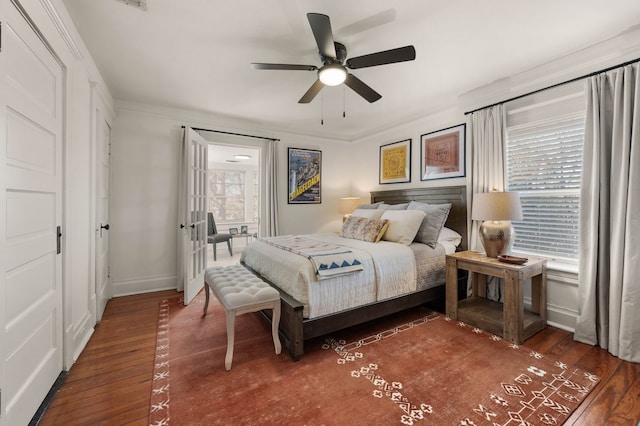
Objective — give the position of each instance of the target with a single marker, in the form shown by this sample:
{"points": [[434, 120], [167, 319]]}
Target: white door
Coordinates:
{"points": [[31, 117], [103, 178], [195, 231]]}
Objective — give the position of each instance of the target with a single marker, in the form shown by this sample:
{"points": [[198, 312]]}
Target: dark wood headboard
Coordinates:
{"points": [[456, 195]]}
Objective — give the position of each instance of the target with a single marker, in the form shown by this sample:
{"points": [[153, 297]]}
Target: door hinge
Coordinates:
{"points": [[108, 271]]}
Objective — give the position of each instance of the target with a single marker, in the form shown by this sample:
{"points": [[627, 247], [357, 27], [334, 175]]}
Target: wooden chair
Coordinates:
{"points": [[214, 237]]}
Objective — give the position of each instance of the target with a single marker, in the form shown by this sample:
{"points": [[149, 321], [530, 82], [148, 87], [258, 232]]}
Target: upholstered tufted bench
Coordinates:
{"points": [[239, 292]]}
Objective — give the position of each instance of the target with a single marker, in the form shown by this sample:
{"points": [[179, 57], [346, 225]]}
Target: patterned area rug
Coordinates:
{"points": [[413, 368]]}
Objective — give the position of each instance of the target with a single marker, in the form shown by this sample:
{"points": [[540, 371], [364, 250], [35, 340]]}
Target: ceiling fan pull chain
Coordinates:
{"points": [[344, 103], [322, 109]]}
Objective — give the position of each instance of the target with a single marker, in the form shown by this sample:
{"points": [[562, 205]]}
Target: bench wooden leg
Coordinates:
{"points": [[275, 321], [206, 300], [231, 320]]}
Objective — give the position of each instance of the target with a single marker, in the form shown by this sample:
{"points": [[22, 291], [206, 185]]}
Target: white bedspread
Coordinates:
{"points": [[388, 270]]}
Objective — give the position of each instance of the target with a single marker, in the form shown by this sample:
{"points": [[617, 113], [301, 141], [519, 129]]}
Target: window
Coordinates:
{"points": [[544, 164], [226, 195]]}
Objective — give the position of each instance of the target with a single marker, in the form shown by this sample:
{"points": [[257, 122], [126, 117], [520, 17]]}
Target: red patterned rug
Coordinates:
{"points": [[413, 368]]}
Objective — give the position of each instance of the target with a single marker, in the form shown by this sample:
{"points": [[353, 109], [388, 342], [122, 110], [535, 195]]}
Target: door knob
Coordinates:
{"points": [[105, 227]]}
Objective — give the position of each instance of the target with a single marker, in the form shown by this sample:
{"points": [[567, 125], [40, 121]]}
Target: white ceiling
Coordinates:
{"points": [[196, 54], [222, 154]]}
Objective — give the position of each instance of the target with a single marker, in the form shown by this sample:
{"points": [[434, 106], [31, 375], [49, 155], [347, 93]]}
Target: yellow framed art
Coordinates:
{"points": [[395, 162]]}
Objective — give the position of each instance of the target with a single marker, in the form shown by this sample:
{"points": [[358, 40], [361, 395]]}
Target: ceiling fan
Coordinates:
{"points": [[334, 67]]}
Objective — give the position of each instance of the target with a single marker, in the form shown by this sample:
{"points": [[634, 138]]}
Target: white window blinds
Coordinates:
{"points": [[544, 164]]}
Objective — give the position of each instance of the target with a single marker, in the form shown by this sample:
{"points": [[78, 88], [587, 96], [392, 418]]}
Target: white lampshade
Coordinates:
{"points": [[496, 209], [349, 204], [496, 206]]}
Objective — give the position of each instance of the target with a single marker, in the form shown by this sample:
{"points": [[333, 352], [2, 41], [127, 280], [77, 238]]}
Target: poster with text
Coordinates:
{"points": [[305, 166]]}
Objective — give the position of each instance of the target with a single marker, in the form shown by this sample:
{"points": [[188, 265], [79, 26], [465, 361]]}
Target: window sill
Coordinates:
{"points": [[556, 265]]}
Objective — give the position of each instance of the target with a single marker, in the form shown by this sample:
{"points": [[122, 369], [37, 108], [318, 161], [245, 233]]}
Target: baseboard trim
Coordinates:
{"points": [[143, 285], [47, 399], [558, 317]]}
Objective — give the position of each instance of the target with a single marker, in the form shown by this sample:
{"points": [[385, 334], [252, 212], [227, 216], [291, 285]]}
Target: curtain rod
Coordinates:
{"points": [[232, 133], [556, 85]]}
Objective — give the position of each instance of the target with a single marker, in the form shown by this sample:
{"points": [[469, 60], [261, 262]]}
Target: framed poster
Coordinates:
{"points": [[305, 166], [442, 153], [395, 162]]}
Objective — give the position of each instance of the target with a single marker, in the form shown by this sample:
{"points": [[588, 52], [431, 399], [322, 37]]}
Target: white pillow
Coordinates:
{"points": [[368, 213], [403, 225], [450, 236]]}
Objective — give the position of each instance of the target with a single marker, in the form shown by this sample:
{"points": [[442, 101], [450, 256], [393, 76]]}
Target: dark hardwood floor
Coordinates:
{"points": [[110, 384]]}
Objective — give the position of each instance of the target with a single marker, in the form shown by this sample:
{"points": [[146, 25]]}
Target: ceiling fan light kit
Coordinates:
{"points": [[334, 72]]}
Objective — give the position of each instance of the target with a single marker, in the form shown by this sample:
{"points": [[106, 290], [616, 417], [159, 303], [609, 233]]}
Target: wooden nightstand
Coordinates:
{"points": [[509, 319]]}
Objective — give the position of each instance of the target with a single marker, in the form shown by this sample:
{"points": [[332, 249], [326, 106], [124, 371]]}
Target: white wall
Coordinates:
{"points": [[562, 286], [145, 173], [366, 169], [336, 176], [145, 148]]}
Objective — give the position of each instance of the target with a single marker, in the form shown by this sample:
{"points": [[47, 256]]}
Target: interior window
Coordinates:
{"points": [[227, 195]]}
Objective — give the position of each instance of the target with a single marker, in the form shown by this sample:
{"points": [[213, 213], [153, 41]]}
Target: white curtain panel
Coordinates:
{"points": [[610, 215], [486, 130], [271, 221]]}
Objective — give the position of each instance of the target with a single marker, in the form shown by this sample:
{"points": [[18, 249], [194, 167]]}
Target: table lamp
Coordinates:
{"points": [[348, 205], [497, 210]]}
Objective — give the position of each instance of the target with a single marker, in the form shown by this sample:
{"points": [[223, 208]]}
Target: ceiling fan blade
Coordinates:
{"points": [[361, 88], [261, 66], [311, 93], [321, 27], [400, 54]]}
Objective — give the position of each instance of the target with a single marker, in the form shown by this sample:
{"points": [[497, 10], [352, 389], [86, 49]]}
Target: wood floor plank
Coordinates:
{"points": [[629, 405], [111, 381], [609, 394], [545, 340]]}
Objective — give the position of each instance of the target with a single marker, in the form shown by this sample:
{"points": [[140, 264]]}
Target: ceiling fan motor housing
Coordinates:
{"points": [[341, 54]]}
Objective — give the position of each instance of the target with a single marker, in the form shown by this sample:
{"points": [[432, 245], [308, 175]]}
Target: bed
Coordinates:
{"points": [[304, 316]]}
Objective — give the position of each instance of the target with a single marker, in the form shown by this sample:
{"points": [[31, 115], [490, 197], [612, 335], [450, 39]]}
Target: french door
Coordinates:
{"points": [[31, 119], [193, 213]]}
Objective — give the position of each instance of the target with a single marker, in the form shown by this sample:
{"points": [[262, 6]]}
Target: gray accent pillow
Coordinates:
{"points": [[393, 206], [436, 216], [368, 206]]}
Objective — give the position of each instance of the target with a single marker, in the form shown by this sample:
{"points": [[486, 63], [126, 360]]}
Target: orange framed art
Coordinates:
{"points": [[442, 153]]}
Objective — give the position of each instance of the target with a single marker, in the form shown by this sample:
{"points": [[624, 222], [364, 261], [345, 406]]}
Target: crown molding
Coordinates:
{"points": [[617, 50], [57, 21]]}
